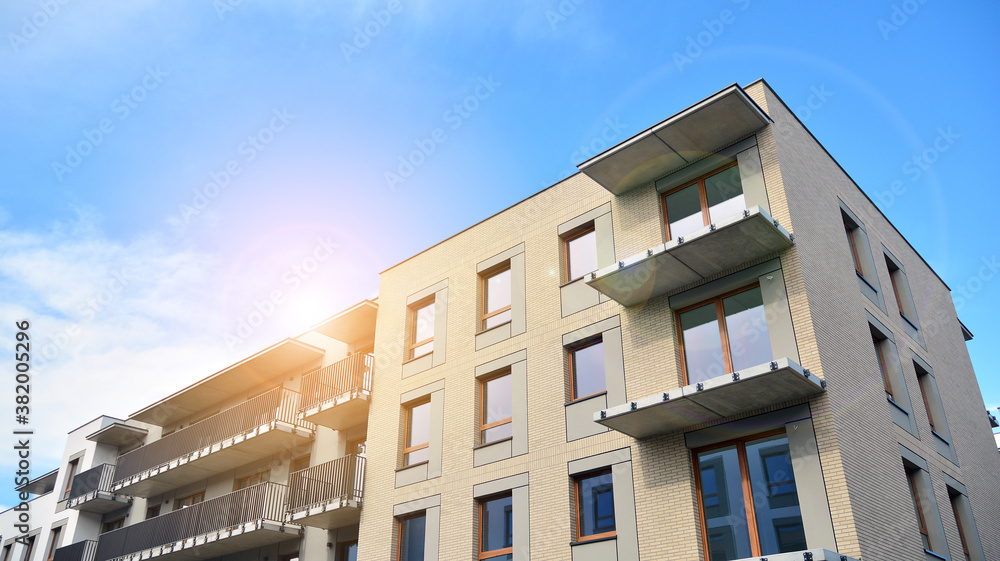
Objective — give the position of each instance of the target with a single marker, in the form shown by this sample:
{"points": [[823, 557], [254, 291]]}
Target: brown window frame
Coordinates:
{"points": [[53, 542], [895, 290], [854, 249], [483, 425], [883, 369], [199, 494], [113, 525], [29, 549], [407, 447], [495, 552], [706, 218], [7, 551], [153, 511], [911, 477], [577, 479], [399, 530], [260, 475], [297, 462], [720, 316], [484, 277], [590, 227], [952, 498], [572, 368], [927, 405], [414, 344], [71, 472]]}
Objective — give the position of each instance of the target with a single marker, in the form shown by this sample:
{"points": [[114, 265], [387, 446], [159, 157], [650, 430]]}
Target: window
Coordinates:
{"points": [[926, 387], [854, 248], [497, 409], [113, 525], [758, 468], [901, 288], [300, 463], [496, 297], [911, 477], [883, 369], [586, 364], [723, 335], [961, 529], [496, 528], [29, 549], [349, 551], [190, 500], [6, 552], [580, 250], [152, 512], [418, 434], [54, 543], [412, 534], [707, 199], [70, 472], [595, 506], [422, 328], [244, 482]]}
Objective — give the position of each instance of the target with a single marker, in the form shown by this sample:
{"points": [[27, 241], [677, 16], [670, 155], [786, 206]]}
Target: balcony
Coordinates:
{"points": [[716, 398], [245, 519], [328, 495], [337, 396], [91, 491], [79, 551], [252, 430], [728, 243]]}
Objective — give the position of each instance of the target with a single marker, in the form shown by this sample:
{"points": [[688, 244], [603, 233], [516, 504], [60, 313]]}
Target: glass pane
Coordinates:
{"points": [[424, 328], [582, 254], [498, 291], [588, 370], [420, 424], [597, 505], [497, 525], [746, 325], [684, 211], [498, 399], [725, 194], [422, 349], [507, 557], [496, 320], [702, 344], [498, 432], [350, 552], [416, 457], [723, 504], [411, 539], [776, 503]]}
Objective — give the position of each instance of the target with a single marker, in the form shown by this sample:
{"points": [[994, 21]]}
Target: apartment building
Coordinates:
{"points": [[707, 344]]}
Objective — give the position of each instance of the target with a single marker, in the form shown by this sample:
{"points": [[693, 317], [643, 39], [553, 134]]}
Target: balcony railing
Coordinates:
{"points": [[94, 479], [79, 551], [342, 480], [354, 373], [278, 404], [262, 502]]}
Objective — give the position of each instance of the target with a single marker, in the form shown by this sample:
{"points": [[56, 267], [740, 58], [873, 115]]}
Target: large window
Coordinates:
{"points": [[412, 535], [496, 528], [901, 288], [496, 297], [961, 529], [580, 250], [727, 475], [704, 201], [418, 434], [724, 335], [586, 363], [911, 478], [349, 551], [421, 328], [70, 472], [882, 367], [595, 506], [54, 543], [29, 549], [497, 409]]}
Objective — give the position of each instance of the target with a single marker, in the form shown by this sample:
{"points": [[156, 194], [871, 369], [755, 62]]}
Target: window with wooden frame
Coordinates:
{"points": [[595, 505], [748, 500], [29, 549], [860, 251], [411, 536], [496, 408], [586, 369], [6, 551], [723, 335], [54, 543], [496, 290], [253, 479], [300, 463], [417, 431], [854, 248], [954, 498], [113, 525], [911, 477], [580, 252], [702, 201], [422, 328], [883, 369], [901, 289], [190, 500], [152, 512], [70, 472], [927, 392], [496, 528]]}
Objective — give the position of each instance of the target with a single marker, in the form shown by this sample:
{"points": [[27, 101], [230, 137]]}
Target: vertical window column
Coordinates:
{"points": [[426, 329], [421, 434], [418, 529]]}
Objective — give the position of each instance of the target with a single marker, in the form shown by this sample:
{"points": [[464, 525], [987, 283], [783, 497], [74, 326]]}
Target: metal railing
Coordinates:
{"points": [[352, 373], [97, 478], [343, 478], [79, 551], [279, 404], [264, 501]]}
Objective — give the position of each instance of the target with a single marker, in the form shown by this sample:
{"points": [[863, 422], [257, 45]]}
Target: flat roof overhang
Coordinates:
{"points": [[100, 502], [760, 386], [251, 535], [120, 435], [40, 485], [718, 247], [347, 410], [356, 323], [678, 140], [234, 380], [329, 515]]}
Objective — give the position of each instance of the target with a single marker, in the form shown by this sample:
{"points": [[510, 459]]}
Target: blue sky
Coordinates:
{"points": [[170, 168]]}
